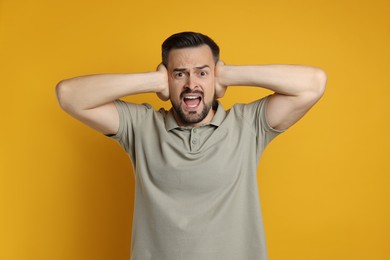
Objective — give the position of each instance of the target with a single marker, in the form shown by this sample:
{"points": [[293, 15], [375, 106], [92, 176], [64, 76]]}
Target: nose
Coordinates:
{"points": [[192, 82]]}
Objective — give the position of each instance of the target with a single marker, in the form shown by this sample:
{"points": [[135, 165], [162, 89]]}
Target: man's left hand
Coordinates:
{"points": [[220, 87]]}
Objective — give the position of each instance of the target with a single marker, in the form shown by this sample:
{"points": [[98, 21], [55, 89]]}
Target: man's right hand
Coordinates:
{"points": [[164, 93], [90, 98]]}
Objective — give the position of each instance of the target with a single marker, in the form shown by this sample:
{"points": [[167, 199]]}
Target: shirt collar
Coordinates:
{"points": [[170, 121]]}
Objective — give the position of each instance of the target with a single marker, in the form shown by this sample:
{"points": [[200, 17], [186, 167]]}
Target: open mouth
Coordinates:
{"points": [[192, 101]]}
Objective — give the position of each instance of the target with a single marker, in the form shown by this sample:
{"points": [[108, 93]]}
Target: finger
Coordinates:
{"points": [[220, 63]]}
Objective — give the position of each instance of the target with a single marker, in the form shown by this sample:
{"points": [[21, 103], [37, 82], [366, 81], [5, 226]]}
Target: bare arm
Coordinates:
{"points": [[297, 88], [90, 98]]}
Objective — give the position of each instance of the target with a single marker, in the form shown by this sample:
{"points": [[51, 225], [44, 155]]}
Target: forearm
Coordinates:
{"points": [[291, 80], [87, 92]]}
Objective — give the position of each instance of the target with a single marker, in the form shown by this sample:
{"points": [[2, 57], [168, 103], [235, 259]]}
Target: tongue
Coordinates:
{"points": [[192, 102]]}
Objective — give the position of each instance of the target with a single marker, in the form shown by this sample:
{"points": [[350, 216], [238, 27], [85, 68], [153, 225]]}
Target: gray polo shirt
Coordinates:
{"points": [[196, 195]]}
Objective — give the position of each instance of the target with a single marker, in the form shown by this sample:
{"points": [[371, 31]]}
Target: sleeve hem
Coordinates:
{"points": [[119, 134], [268, 127]]}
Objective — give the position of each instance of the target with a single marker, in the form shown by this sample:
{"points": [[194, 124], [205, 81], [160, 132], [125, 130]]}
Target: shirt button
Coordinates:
{"points": [[194, 141], [195, 130]]}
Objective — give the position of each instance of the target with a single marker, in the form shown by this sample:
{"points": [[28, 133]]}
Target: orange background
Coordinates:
{"points": [[66, 191]]}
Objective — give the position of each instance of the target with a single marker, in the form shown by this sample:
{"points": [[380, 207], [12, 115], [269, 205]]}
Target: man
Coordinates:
{"points": [[195, 165]]}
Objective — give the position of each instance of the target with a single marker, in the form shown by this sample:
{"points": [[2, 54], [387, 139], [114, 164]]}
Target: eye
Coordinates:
{"points": [[203, 73], [179, 74]]}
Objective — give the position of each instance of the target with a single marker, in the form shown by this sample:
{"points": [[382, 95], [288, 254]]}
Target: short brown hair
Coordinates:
{"points": [[186, 40]]}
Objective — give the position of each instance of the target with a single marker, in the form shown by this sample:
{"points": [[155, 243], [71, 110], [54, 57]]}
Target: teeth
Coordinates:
{"points": [[191, 97]]}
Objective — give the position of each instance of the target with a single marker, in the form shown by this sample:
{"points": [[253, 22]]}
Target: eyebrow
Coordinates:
{"points": [[199, 68]]}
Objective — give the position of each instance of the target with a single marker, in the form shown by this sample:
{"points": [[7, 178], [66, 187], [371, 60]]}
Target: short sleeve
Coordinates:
{"points": [[130, 116], [255, 113]]}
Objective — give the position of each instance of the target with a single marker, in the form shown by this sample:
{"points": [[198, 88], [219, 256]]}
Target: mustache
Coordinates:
{"points": [[189, 91]]}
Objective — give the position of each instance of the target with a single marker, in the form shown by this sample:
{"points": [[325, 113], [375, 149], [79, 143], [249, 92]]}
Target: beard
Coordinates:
{"points": [[191, 117]]}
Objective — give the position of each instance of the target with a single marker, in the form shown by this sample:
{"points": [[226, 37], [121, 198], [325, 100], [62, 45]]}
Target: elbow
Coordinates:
{"points": [[315, 87], [62, 94], [319, 79]]}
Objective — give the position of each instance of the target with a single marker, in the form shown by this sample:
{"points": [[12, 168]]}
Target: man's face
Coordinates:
{"points": [[191, 84]]}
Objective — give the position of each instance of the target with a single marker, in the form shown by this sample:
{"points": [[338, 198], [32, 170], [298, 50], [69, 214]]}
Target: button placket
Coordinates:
{"points": [[194, 139]]}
